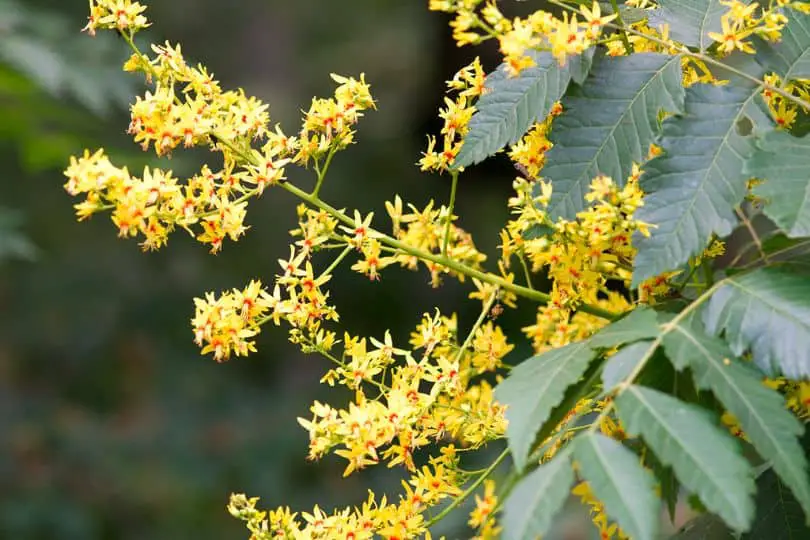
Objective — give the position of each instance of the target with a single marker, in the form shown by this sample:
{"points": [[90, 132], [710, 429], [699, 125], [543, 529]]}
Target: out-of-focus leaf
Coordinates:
{"points": [[538, 497], [13, 244]]}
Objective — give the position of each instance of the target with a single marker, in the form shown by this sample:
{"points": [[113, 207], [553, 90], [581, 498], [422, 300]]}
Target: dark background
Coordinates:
{"points": [[111, 423]]}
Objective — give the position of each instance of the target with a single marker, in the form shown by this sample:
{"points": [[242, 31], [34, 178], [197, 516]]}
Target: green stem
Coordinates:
{"points": [[476, 326], [322, 172], [492, 279], [469, 491], [687, 278], [628, 47], [708, 274], [666, 329], [454, 176], [338, 260], [526, 272]]}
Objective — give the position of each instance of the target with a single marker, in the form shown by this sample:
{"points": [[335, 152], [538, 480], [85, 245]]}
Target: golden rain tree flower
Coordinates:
{"points": [[437, 392], [122, 15]]}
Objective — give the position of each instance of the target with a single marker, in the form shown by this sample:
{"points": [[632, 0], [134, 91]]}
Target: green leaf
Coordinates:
{"points": [[761, 411], [693, 187], [41, 63], [608, 123], [616, 477], [530, 508], [619, 366], [783, 162], [706, 460], [768, 312], [641, 323], [534, 388], [13, 244], [690, 21], [512, 105]]}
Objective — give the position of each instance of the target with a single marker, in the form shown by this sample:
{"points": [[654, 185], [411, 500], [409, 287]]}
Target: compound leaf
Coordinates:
{"points": [[760, 410]]}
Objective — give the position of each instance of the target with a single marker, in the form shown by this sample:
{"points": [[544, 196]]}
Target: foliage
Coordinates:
{"points": [[13, 244], [653, 360], [42, 60]]}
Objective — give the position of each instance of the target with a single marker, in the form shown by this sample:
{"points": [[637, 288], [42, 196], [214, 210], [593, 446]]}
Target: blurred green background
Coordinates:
{"points": [[113, 425]]}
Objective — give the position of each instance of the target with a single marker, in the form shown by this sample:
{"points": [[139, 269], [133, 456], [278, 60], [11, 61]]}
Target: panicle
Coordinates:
{"points": [[121, 15]]}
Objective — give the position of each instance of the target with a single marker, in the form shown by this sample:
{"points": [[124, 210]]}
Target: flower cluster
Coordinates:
{"points": [[744, 19], [606, 528], [435, 398], [426, 230], [580, 256], [783, 111], [153, 205], [225, 324], [120, 15], [376, 517], [418, 401], [529, 153], [187, 107], [468, 83], [329, 123], [563, 37], [481, 517]]}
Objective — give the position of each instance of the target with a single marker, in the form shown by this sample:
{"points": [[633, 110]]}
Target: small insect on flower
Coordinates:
{"points": [[524, 171], [496, 311]]}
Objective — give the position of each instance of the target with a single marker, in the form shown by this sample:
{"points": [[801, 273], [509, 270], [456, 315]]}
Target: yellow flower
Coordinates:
{"points": [[116, 15], [594, 21], [732, 37], [484, 505]]}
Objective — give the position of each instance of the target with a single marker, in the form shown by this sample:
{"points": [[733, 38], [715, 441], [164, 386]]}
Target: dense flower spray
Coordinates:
{"points": [[434, 393]]}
